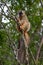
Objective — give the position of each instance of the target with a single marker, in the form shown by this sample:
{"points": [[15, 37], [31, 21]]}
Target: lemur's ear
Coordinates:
{"points": [[23, 11]]}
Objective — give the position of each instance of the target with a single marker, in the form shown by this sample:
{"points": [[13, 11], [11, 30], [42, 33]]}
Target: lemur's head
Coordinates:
{"points": [[21, 13]]}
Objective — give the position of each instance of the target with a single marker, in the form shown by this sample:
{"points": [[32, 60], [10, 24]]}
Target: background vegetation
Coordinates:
{"points": [[9, 35]]}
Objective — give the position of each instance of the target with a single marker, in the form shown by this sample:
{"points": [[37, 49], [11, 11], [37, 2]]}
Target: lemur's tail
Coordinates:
{"points": [[27, 38]]}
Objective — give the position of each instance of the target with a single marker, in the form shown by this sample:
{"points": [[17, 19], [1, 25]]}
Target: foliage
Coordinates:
{"points": [[10, 35]]}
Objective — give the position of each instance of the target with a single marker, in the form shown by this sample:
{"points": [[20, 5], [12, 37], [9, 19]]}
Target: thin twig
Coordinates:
{"points": [[32, 56], [41, 3], [37, 57]]}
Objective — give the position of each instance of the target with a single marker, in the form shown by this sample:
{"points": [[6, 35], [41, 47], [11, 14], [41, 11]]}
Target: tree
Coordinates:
{"points": [[9, 35]]}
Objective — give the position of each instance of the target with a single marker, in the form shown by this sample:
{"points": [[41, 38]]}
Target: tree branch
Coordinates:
{"points": [[30, 53]]}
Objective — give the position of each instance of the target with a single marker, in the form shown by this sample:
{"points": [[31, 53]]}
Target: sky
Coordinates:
{"points": [[4, 19]]}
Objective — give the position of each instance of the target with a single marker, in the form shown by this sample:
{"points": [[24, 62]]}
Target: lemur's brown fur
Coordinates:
{"points": [[24, 25]]}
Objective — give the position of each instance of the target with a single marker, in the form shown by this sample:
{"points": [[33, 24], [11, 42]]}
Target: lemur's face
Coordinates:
{"points": [[20, 13]]}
